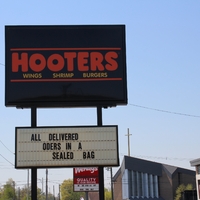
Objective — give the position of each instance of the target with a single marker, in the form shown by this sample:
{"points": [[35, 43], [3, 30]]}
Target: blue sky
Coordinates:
{"points": [[162, 48]]}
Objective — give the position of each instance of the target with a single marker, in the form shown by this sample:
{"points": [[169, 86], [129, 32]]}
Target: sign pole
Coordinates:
{"points": [[86, 195], [33, 169], [101, 172]]}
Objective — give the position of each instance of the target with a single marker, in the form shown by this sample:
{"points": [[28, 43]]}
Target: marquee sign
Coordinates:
{"points": [[86, 179], [66, 146], [65, 66]]}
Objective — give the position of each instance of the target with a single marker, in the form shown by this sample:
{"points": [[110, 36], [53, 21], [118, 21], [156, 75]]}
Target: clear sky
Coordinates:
{"points": [[163, 69]]}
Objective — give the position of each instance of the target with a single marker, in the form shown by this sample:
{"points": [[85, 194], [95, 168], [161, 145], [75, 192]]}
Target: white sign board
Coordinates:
{"points": [[66, 146]]}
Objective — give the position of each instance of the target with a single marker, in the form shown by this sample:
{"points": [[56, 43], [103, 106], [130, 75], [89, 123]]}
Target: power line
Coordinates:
{"points": [[165, 111], [155, 109], [6, 147], [160, 157], [6, 159]]}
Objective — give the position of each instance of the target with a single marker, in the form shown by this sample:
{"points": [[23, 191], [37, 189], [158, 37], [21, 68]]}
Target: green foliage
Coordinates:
{"points": [[67, 192], [181, 188], [107, 194], [50, 197], [8, 191], [23, 193], [40, 195]]}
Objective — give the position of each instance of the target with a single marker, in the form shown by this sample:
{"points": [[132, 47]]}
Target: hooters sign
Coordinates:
{"points": [[65, 66]]}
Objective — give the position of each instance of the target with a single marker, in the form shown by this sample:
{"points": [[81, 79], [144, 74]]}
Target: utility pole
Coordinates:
{"points": [[18, 193], [46, 184], [14, 189], [42, 187], [111, 181], [54, 192], [128, 142], [59, 193], [28, 185]]}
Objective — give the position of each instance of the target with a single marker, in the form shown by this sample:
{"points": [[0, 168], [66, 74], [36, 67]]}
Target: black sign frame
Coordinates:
{"points": [[65, 66], [54, 141]]}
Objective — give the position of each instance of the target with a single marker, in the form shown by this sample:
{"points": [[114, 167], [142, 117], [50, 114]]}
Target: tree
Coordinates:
{"points": [[67, 192], [107, 194], [8, 191], [1, 192], [40, 194], [23, 193], [181, 188]]}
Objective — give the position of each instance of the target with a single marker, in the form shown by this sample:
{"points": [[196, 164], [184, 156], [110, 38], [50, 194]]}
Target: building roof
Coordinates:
{"points": [[195, 162], [150, 167], [141, 165]]}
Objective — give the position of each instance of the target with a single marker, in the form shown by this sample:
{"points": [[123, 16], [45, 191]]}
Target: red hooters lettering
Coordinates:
{"points": [[55, 62], [37, 62], [19, 60], [96, 61], [83, 61], [110, 58], [68, 61]]}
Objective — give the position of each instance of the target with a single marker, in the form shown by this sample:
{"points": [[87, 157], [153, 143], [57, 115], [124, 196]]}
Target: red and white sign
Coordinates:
{"points": [[86, 179]]}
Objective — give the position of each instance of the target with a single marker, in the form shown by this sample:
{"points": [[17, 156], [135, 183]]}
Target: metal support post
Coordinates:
{"points": [[101, 172], [33, 169]]}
